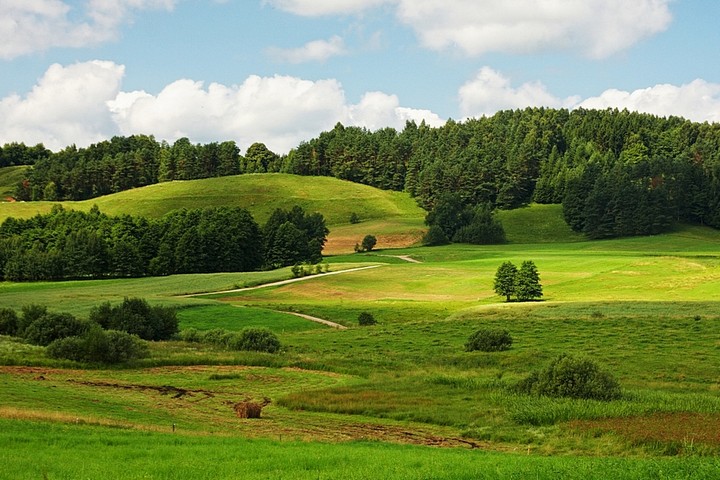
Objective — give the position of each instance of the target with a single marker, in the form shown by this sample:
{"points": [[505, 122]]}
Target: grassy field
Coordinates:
{"points": [[401, 399], [9, 178], [393, 217]]}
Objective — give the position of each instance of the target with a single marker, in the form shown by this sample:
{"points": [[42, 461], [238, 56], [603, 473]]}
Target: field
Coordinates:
{"points": [[392, 216], [400, 399]]}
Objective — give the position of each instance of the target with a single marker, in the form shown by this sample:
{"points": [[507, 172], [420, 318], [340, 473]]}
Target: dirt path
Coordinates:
{"points": [[316, 319], [281, 282], [406, 258]]}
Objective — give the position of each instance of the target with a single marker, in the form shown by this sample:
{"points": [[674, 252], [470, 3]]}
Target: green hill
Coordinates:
{"points": [[9, 177], [393, 217]]}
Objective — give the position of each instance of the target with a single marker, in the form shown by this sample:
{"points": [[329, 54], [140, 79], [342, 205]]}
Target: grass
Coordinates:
{"points": [[392, 216], [644, 308], [9, 178]]}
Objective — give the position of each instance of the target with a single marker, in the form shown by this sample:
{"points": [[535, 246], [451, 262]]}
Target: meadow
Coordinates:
{"points": [[400, 399]]}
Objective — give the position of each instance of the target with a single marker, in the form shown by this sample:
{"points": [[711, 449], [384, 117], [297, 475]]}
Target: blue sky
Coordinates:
{"points": [[281, 71]]}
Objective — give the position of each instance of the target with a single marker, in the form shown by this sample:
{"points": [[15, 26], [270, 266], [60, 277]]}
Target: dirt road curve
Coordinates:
{"points": [[282, 282]]}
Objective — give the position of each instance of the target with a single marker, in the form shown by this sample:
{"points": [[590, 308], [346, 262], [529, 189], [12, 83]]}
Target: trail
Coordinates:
{"points": [[280, 282], [406, 258], [316, 319]]}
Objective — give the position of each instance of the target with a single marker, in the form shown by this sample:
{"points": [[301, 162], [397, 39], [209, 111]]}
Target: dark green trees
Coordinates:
{"points": [[294, 237], [451, 219], [524, 283], [136, 316]]}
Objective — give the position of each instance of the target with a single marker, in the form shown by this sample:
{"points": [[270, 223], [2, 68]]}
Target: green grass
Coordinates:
{"points": [[537, 224], [36, 450], [9, 178], [237, 318]]}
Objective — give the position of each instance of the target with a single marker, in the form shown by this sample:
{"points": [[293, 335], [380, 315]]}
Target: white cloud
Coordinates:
{"points": [[595, 28], [84, 103], [697, 100], [315, 51], [67, 106], [28, 26], [490, 91], [314, 8]]}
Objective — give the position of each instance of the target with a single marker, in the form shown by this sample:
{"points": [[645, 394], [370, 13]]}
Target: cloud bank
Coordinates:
{"points": [[594, 28], [314, 51]]}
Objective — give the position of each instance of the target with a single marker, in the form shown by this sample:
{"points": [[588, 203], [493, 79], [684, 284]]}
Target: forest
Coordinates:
{"points": [[617, 173], [69, 244]]}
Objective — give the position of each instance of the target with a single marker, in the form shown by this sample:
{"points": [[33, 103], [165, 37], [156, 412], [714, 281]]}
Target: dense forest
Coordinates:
{"points": [[68, 244], [616, 173]]}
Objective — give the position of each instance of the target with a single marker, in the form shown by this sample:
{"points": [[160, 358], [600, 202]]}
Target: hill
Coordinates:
{"points": [[9, 177], [393, 217]]}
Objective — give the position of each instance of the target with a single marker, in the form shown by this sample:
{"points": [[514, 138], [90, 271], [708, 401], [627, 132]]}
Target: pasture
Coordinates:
{"points": [[400, 399]]}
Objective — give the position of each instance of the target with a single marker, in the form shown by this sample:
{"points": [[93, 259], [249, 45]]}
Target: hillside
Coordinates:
{"points": [[9, 177], [393, 217]]}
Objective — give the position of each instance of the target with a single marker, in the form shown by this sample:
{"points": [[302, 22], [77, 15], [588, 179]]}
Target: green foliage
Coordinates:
{"points": [[255, 339], [568, 376], [99, 346], [53, 326], [483, 229], [505, 280], [368, 242], [489, 340], [8, 321], [435, 236], [137, 317], [292, 236], [354, 218], [366, 319], [527, 282]]}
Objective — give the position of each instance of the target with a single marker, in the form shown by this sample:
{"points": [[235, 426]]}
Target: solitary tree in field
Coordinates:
{"points": [[505, 279], [368, 243], [527, 284]]}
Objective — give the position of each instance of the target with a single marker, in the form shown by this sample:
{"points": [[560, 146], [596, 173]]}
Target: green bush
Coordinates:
{"points": [[29, 314], [54, 326], [136, 316], [99, 346], [489, 340], [435, 236], [366, 318], [255, 339], [8, 321], [568, 376]]}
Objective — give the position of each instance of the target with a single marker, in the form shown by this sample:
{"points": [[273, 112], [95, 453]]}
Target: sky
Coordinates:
{"points": [[282, 71]]}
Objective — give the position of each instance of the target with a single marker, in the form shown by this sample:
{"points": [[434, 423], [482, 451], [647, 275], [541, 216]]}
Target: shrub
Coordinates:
{"points": [[136, 316], [29, 314], [489, 340], [435, 236], [192, 335], [354, 218], [255, 339], [8, 321], [54, 326], [366, 318], [568, 376], [368, 243], [97, 345]]}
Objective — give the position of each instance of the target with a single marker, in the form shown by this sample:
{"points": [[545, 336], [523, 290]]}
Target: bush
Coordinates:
{"points": [[435, 236], [572, 377], [8, 321], [255, 339], [489, 340], [366, 318], [54, 326], [368, 243], [100, 346], [137, 317], [30, 313], [354, 218]]}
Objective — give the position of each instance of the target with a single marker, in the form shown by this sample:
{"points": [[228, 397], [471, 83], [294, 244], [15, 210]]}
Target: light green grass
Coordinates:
{"points": [[9, 178], [231, 318], [537, 224]]}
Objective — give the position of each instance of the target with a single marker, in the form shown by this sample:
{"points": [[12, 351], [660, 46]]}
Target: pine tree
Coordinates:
{"points": [[527, 283], [505, 279]]}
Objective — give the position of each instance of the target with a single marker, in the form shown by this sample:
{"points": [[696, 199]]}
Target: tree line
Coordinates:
{"points": [[68, 244], [615, 172]]}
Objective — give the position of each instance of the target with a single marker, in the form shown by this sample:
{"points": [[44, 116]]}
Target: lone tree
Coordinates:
{"points": [[368, 243], [527, 284], [505, 279]]}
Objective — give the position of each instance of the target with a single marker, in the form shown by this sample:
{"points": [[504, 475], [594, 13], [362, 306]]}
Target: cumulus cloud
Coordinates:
{"points": [[67, 106], [28, 26], [697, 100], [314, 8], [315, 51], [490, 91], [84, 103]]}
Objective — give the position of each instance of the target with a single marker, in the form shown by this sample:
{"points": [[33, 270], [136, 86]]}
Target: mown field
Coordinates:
{"points": [[400, 399]]}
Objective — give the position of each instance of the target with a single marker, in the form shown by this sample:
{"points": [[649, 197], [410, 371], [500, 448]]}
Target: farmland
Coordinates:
{"points": [[400, 399]]}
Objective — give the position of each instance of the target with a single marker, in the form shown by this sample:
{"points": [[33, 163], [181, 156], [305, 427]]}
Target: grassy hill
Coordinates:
{"points": [[9, 177], [393, 217]]}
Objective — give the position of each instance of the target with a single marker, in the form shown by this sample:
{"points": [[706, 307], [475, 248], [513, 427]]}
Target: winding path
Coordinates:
{"points": [[281, 282], [316, 319]]}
